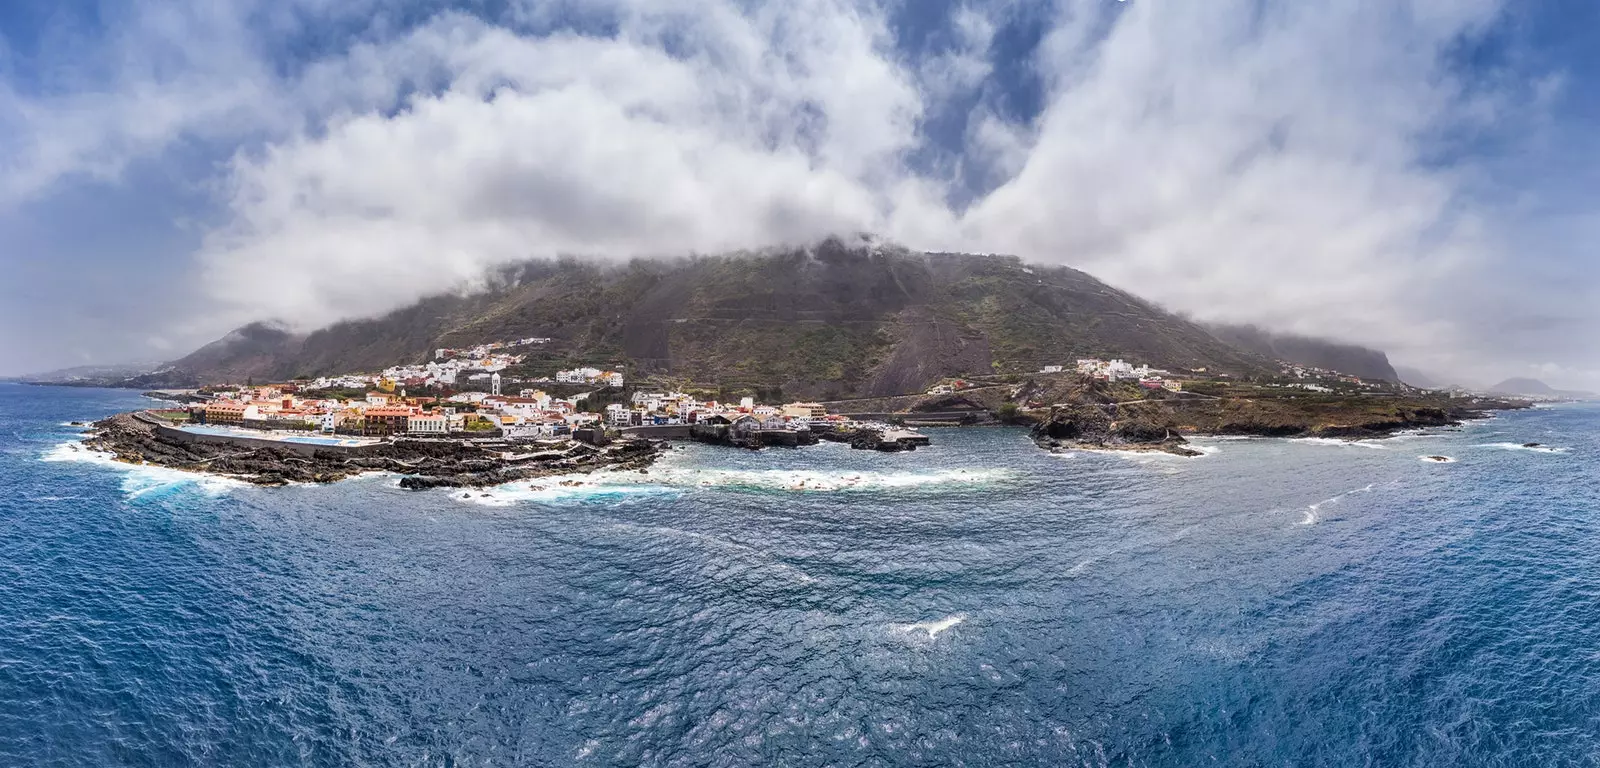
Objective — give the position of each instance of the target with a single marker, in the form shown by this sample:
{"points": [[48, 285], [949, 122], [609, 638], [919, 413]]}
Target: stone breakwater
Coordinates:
{"points": [[425, 463]]}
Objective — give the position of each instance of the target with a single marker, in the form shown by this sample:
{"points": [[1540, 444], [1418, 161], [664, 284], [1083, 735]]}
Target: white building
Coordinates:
{"points": [[428, 423]]}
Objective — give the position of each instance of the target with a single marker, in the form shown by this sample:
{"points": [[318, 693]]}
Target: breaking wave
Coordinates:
{"points": [[560, 489], [1524, 447], [659, 480], [1339, 442], [140, 480], [805, 480]]}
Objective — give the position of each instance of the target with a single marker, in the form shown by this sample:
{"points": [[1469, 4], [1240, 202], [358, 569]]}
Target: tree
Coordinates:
{"points": [[1008, 411]]}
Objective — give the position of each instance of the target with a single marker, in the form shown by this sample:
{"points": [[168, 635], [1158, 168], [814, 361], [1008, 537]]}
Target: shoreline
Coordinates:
{"points": [[137, 439], [423, 464], [1090, 428]]}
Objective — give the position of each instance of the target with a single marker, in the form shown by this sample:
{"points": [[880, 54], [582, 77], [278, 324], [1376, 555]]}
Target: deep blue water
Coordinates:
{"points": [[1273, 603]]}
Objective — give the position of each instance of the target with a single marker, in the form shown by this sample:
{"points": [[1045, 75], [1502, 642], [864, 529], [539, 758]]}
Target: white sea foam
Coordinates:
{"points": [[672, 480], [1139, 457], [933, 628], [143, 479], [803, 480], [1521, 447], [560, 489], [1339, 442]]}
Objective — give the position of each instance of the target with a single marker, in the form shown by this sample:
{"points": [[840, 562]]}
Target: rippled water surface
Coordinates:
{"points": [[978, 602]]}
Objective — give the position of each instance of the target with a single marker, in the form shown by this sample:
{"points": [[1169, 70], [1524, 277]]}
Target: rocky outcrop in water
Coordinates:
{"points": [[1088, 426], [425, 463]]}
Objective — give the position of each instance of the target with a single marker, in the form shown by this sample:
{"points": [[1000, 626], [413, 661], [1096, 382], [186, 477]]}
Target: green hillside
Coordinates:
{"points": [[829, 321]]}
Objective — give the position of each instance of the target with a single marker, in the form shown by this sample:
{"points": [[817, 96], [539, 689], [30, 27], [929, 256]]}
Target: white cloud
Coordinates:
{"points": [[782, 126], [1238, 160]]}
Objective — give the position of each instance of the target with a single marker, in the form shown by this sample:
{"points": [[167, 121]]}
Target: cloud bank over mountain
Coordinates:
{"points": [[1326, 168]]}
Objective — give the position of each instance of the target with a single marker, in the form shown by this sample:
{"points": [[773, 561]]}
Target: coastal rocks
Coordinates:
{"points": [[753, 439], [1091, 427], [885, 440], [425, 463]]}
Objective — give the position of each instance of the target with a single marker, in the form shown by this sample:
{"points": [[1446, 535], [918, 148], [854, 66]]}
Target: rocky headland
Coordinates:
{"points": [[433, 463], [1164, 422]]}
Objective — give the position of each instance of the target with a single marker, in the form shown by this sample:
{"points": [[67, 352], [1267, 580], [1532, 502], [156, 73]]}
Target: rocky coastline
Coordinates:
{"points": [[425, 464], [1166, 429]]}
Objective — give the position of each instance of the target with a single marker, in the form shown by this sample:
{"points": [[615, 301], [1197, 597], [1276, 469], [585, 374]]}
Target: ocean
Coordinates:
{"points": [[978, 602]]}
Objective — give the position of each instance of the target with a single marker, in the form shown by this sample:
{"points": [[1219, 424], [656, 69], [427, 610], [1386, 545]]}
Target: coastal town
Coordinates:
{"points": [[471, 398], [477, 416]]}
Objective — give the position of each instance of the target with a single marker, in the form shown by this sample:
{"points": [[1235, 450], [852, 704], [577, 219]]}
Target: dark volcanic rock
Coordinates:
{"points": [[1091, 427], [426, 463]]}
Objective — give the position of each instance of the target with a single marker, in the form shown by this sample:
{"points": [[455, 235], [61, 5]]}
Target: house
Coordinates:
{"points": [[1052, 369], [805, 410], [386, 420], [230, 412], [617, 416], [379, 398], [743, 425], [428, 423], [329, 423], [578, 375], [774, 421]]}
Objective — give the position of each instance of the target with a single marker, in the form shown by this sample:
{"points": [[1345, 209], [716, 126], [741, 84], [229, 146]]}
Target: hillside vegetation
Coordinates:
{"points": [[830, 321]]}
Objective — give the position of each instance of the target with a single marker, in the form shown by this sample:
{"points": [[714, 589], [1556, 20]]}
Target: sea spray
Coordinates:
{"points": [[140, 480]]}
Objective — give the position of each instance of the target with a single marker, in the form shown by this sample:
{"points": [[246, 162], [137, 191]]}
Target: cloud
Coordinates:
{"points": [[780, 126], [1308, 166]]}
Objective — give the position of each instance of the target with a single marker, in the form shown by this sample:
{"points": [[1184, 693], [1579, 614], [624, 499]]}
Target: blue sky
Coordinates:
{"points": [[1413, 175]]}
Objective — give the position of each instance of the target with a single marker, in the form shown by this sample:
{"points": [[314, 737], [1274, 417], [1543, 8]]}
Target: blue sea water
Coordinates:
{"points": [[980, 602]]}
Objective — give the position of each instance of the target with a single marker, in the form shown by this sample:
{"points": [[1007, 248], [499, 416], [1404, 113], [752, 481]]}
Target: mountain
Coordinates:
{"points": [[1305, 350], [1417, 378], [830, 321], [1537, 388]]}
